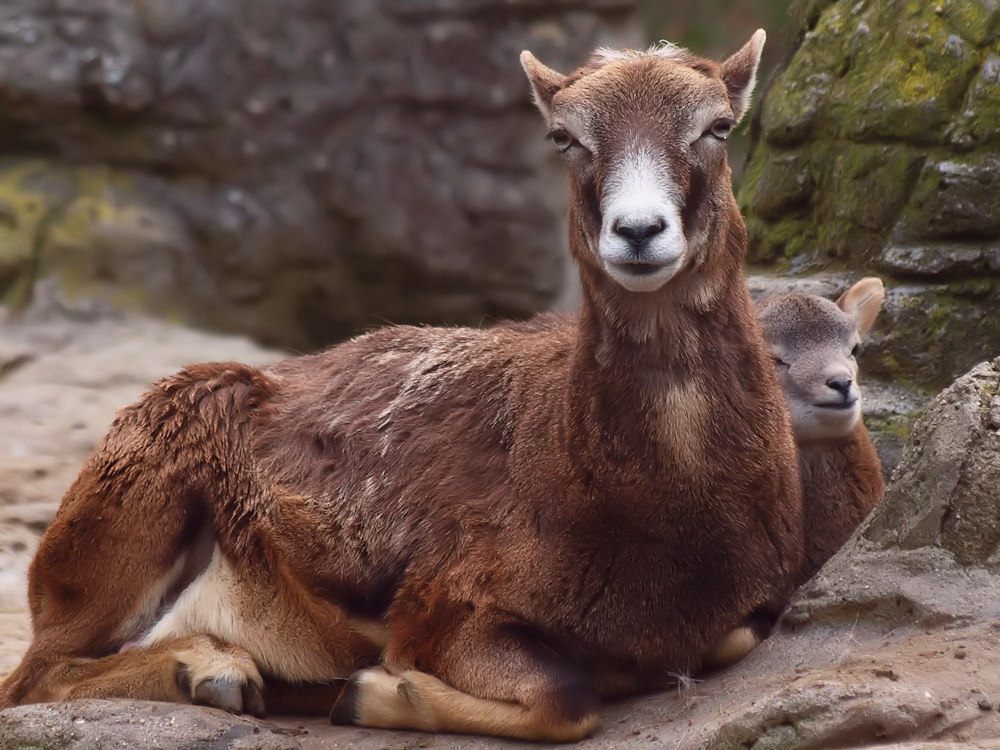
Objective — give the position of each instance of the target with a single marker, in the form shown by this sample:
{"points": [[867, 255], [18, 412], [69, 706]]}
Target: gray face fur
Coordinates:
{"points": [[814, 343]]}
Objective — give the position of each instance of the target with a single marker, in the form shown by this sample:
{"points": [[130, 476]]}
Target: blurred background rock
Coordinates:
{"points": [[295, 171]]}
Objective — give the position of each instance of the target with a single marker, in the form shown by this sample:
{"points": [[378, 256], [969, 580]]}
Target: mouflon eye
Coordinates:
{"points": [[721, 128], [561, 138], [854, 351], [779, 362]]}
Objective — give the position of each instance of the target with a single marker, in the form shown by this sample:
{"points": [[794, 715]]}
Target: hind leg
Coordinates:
{"points": [[171, 482], [194, 669], [123, 542], [93, 590]]}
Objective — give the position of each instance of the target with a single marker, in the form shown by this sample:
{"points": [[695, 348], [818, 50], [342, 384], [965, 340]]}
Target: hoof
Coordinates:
{"points": [[237, 699], [345, 708], [215, 673]]}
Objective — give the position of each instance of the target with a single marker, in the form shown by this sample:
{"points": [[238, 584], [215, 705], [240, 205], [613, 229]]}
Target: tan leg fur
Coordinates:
{"points": [[416, 700]]}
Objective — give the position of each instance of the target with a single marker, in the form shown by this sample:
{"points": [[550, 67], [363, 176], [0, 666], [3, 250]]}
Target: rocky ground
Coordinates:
{"points": [[896, 641]]}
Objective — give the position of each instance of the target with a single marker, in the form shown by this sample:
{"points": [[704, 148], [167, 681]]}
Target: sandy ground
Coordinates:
{"points": [[840, 687]]}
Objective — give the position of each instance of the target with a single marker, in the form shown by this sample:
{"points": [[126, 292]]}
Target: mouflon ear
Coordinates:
{"points": [[740, 73], [863, 301], [544, 81]]}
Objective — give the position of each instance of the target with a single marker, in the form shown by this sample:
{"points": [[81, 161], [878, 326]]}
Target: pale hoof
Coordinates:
{"points": [[731, 648], [376, 697], [218, 674], [237, 699]]}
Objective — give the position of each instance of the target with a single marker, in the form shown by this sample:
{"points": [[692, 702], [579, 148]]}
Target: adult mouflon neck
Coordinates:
{"points": [[676, 326], [653, 223]]}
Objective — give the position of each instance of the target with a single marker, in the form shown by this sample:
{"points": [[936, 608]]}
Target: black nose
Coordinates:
{"points": [[638, 233], [841, 386]]}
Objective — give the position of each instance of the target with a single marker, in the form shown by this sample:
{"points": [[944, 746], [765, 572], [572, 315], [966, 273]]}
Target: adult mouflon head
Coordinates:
{"points": [[649, 181], [814, 343]]}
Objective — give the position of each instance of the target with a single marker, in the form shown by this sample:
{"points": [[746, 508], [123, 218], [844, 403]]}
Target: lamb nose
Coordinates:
{"points": [[638, 232], [841, 386]]}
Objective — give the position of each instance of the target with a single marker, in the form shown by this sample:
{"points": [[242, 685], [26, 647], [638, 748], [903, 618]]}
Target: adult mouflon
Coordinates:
{"points": [[481, 531]]}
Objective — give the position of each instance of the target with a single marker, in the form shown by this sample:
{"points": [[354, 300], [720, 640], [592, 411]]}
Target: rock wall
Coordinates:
{"points": [[878, 150], [296, 170]]}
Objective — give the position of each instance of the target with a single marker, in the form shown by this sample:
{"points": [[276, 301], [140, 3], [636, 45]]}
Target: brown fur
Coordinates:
{"points": [[841, 484], [491, 529]]}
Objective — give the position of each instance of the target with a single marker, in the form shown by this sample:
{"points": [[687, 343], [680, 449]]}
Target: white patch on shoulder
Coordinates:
{"points": [[684, 421]]}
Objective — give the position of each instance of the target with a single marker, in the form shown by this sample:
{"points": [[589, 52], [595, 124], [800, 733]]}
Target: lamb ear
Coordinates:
{"points": [[863, 301], [740, 73], [544, 81]]}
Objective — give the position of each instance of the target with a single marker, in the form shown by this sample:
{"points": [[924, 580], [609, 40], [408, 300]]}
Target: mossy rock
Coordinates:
{"points": [[879, 151], [906, 71], [978, 123], [954, 198], [929, 334]]}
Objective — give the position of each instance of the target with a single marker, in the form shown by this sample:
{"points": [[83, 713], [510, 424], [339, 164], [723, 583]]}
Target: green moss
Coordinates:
{"points": [[25, 214], [794, 106], [785, 183], [781, 242], [955, 197], [974, 288], [861, 190], [932, 336], [907, 75], [748, 188], [892, 426], [975, 21], [979, 120]]}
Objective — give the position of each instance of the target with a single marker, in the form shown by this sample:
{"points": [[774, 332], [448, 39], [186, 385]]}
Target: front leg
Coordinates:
{"points": [[495, 680]]}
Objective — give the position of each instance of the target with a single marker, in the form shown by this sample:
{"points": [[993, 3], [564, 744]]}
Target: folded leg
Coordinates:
{"points": [[497, 680]]}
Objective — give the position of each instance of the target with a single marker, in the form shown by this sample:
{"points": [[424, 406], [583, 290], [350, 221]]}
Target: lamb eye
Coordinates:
{"points": [[854, 351], [721, 128], [779, 362], [561, 138]]}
